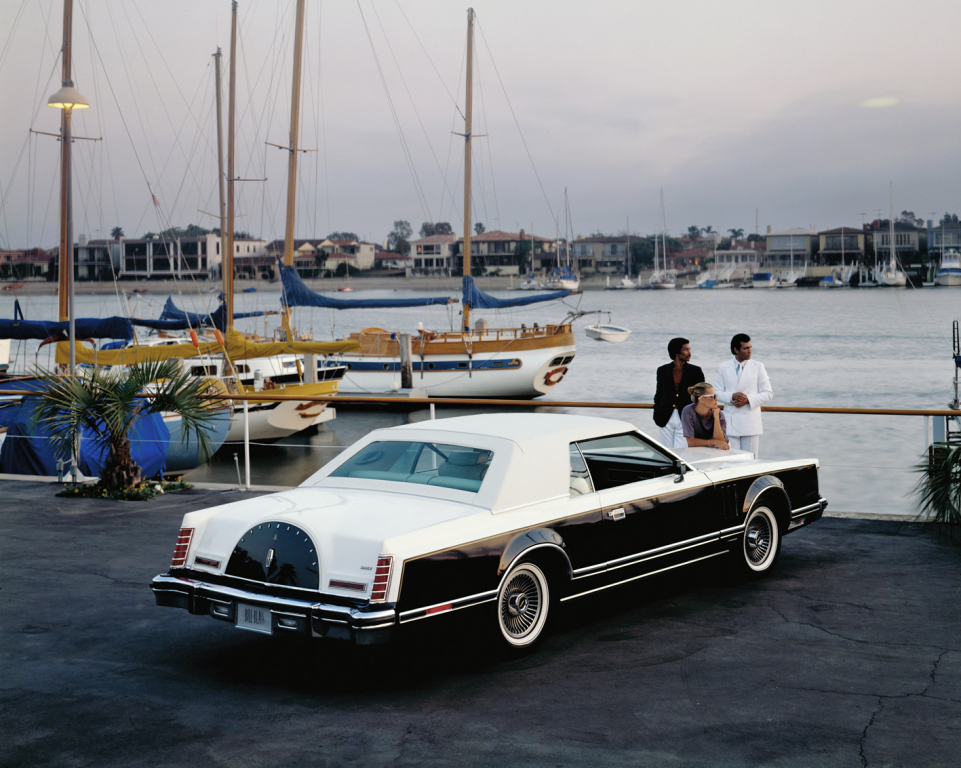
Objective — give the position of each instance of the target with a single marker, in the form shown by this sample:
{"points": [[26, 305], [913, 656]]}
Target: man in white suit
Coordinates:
{"points": [[744, 384]]}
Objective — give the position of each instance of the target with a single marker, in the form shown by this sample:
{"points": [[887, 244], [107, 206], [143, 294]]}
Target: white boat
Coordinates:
{"points": [[531, 283], [831, 281], [614, 333], [893, 276], [473, 361], [763, 280], [663, 279], [563, 277], [624, 284], [949, 272]]}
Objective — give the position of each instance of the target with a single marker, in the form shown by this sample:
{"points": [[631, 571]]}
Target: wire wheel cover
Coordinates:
{"points": [[520, 604], [758, 539]]}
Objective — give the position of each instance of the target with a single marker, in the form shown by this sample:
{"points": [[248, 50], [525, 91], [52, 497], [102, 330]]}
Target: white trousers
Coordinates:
{"points": [[672, 435], [745, 443]]}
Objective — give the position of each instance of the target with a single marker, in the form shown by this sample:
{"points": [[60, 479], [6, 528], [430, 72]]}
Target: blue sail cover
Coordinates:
{"points": [[28, 449], [173, 318], [476, 298], [297, 294], [86, 327]]}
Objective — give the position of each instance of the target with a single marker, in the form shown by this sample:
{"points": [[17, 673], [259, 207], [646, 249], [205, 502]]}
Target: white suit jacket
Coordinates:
{"points": [[754, 382]]}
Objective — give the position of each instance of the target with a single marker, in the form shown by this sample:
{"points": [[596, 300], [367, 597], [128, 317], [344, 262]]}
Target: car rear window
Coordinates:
{"points": [[448, 466]]}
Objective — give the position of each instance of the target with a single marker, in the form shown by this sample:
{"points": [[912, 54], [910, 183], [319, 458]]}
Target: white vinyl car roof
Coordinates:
{"points": [[530, 461]]}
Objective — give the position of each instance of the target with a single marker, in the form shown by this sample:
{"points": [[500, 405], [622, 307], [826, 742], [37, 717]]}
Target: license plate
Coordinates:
{"points": [[254, 617]]}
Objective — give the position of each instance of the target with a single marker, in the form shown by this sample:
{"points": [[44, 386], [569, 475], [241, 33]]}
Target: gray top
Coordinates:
{"points": [[703, 429]]}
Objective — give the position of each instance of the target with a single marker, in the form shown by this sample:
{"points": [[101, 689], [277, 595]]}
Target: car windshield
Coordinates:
{"points": [[449, 466]]}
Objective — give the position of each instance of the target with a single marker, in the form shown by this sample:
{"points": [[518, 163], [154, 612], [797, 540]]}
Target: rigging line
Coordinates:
{"points": [[490, 157], [13, 29], [323, 114], [410, 164], [121, 112], [516, 122], [923, 303], [24, 150], [462, 72], [424, 49], [411, 98]]}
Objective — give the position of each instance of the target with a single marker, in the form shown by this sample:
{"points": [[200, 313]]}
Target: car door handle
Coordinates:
{"points": [[615, 514]]}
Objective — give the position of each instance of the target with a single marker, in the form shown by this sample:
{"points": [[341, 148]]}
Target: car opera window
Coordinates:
{"points": [[448, 466], [580, 476], [620, 460]]}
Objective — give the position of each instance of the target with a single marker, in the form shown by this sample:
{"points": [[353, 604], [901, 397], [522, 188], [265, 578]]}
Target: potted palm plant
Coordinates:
{"points": [[106, 403], [938, 491]]}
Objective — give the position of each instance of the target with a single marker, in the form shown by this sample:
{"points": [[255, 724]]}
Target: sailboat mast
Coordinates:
{"points": [[293, 148], [893, 261], [469, 98], [227, 233], [567, 239], [65, 261]]}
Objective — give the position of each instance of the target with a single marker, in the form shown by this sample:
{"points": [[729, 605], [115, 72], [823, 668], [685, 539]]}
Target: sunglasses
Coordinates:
{"points": [[709, 397]]}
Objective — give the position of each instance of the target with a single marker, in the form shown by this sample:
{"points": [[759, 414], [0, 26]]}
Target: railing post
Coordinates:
{"points": [[246, 447]]}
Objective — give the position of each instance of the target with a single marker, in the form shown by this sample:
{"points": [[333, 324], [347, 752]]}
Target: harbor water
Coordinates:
{"points": [[852, 348]]}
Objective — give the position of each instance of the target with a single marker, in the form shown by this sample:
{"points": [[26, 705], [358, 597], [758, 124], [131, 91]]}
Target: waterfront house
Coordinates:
{"points": [[496, 251], [943, 237], [909, 241], [842, 243], [602, 253], [431, 255], [785, 246]]}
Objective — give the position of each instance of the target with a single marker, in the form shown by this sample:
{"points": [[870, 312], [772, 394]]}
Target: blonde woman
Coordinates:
{"points": [[702, 420]]}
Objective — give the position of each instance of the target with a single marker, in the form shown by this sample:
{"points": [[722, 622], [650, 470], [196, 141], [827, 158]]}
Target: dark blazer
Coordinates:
{"points": [[666, 399]]}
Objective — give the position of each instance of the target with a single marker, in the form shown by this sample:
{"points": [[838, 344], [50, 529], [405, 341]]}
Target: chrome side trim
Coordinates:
{"points": [[455, 605], [642, 576], [734, 529], [802, 511], [650, 554]]}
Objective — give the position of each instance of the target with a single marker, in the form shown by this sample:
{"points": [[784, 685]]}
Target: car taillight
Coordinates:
{"points": [[180, 551], [381, 579]]}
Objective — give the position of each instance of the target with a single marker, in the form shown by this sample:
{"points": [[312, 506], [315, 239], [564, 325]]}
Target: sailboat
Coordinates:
{"points": [[246, 366], [563, 277], [662, 279], [474, 361], [893, 276]]}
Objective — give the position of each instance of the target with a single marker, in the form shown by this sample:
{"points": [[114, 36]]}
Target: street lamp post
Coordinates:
{"points": [[68, 99]]}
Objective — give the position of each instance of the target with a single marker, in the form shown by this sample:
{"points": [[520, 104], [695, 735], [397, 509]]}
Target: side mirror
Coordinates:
{"points": [[681, 468]]}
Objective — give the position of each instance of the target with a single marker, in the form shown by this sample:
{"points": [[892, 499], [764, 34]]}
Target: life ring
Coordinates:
{"points": [[553, 377]]}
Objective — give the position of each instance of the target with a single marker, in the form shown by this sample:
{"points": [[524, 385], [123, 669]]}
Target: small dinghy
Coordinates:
{"points": [[606, 331]]}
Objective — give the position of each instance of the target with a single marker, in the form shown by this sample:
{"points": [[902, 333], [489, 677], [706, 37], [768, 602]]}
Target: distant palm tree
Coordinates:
{"points": [[708, 230], [736, 234], [116, 233], [106, 403], [694, 232]]}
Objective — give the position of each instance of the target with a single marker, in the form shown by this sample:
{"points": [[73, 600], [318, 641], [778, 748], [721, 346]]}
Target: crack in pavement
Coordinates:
{"points": [[855, 639], [864, 733]]}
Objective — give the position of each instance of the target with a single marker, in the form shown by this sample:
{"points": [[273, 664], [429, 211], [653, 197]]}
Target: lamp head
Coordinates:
{"points": [[68, 97]]}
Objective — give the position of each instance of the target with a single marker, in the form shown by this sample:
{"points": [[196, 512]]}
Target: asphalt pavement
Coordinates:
{"points": [[849, 654]]}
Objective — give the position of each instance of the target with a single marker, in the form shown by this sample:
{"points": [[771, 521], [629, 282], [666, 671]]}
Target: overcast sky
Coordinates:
{"points": [[799, 114]]}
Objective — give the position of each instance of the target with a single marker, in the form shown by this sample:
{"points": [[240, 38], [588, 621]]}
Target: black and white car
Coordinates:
{"points": [[516, 512]]}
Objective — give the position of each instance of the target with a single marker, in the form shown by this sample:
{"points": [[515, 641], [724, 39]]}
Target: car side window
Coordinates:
{"points": [[622, 459], [580, 476]]}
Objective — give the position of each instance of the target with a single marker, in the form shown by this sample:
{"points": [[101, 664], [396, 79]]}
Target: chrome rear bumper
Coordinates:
{"points": [[314, 619]]}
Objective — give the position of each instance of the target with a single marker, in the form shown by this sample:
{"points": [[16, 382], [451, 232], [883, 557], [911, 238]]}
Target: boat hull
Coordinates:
{"points": [[507, 363], [949, 278], [891, 279], [184, 455]]}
